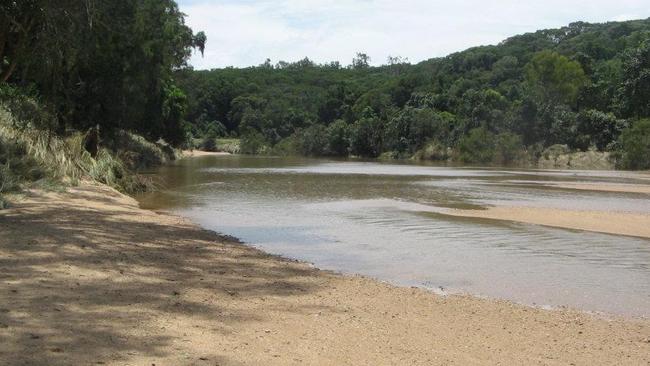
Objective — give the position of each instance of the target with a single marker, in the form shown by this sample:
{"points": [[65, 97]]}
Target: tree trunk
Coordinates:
{"points": [[6, 74], [18, 49], [4, 31]]}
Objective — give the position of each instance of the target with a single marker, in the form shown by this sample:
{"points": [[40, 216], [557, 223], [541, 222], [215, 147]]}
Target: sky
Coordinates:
{"points": [[247, 32]]}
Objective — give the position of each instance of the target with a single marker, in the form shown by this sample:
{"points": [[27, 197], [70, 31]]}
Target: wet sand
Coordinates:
{"points": [[605, 187], [87, 277], [620, 223]]}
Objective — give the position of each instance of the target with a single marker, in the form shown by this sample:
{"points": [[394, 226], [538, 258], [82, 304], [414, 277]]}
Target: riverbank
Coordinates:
{"points": [[199, 153], [87, 277]]}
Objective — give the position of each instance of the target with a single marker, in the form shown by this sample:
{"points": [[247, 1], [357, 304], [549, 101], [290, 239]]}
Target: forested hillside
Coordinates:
{"points": [[586, 86]]}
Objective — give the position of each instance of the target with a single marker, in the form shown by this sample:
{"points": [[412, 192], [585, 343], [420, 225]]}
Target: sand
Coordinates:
{"points": [[610, 222], [604, 187], [88, 278], [199, 153]]}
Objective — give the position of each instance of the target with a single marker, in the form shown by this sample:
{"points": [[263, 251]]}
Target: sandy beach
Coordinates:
{"points": [[199, 153], [89, 278]]}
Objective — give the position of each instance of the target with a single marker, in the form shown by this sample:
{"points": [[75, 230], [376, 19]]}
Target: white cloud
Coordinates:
{"points": [[244, 33]]}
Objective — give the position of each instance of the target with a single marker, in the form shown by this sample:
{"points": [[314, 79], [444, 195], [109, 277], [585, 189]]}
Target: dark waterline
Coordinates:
{"points": [[384, 220]]}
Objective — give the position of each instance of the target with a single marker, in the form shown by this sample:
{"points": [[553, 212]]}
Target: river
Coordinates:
{"points": [[387, 221]]}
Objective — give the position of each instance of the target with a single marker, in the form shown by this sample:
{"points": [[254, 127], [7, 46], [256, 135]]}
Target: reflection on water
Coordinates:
{"points": [[384, 220]]}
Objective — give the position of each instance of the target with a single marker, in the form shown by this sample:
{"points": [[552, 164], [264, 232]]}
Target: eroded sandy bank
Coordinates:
{"points": [[86, 277]]}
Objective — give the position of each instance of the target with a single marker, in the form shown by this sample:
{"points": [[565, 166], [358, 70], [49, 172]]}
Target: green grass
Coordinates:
{"points": [[228, 145]]}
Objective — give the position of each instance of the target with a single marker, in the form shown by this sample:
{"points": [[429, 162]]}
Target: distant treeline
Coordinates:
{"points": [[586, 86]]}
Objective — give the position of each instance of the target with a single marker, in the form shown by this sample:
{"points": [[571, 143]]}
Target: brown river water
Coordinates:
{"points": [[385, 220]]}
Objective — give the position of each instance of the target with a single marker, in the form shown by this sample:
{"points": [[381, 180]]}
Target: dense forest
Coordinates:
{"points": [[87, 88], [584, 86], [99, 89], [106, 63]]}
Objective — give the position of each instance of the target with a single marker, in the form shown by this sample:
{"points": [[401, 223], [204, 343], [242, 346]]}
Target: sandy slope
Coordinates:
{"points": [[86, 277]]}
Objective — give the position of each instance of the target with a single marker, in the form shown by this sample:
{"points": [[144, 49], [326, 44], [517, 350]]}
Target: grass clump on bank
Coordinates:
{"points": [[30, 155], [138, 153]]}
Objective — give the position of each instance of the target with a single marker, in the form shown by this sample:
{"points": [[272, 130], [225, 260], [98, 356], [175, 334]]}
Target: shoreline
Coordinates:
{"points": [[96, 279], [200, 153]]}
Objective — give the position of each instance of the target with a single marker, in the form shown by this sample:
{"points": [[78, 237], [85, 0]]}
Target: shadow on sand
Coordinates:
{"points": [[82, 285]]}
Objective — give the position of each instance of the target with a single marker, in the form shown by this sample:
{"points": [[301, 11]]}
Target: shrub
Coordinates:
{"points": [[229, 145], [595, 128], [139, 153], [338, 138], [509, 148], [477, 147], [366, 137], [287, 146], [312, 141], [208, 144], [433, 150], [253, 143], [635, 146]]}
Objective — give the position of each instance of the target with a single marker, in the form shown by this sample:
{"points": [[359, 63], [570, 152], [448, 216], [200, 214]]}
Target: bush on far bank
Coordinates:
{"points": [[634, 143]]}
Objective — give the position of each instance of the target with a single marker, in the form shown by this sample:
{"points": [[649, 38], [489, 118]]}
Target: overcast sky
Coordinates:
{"points": [[246, 32]]}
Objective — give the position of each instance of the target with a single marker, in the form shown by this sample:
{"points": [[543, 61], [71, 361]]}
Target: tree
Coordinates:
{"points": [[338, 141], [477, 147], [18, 21], [313, 140], [556, 86], [106, 63], [635, 146], [397, 64], [634, 93], [365, 135], [554, 77], [362, 61], [598, 129]]}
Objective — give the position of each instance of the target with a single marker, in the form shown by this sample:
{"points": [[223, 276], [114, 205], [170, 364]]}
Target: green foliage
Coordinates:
{"points": [[253, 143], [30, 155], [106, 63], [229, 145], [433, 150], [410, 129], [312, 141], [597, 129], [477, 147], [574, 86], [482, 146], [634, 93], [16, 166], [635, 146], [208, 144], [554, 77], [338, 138], [137, 152], [366, 136], [509, 149]]}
